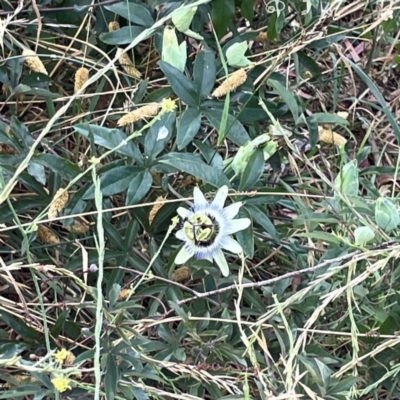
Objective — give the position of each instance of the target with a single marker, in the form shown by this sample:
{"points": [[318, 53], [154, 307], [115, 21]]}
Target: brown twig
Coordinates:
{"points": [[282, 277]]}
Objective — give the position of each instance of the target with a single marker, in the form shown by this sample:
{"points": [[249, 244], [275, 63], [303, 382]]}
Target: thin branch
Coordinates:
{"points": [[282, 277]]}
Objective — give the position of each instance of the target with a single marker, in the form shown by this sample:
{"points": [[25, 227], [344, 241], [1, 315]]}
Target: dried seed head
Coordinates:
{"points": [[181, 274], [328, 136], [231, 83], [69, 360], [262, 37], [147, 111], [342, 114], [33, 61], [21, 379], [47, 236], [113, 26], [123, 294], [127, 64], [77, 227], [58, 203], [81, 76], [156, 207], [6, 149]]}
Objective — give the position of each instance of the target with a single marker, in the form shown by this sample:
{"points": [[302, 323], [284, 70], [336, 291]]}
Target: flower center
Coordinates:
{"points": [[200, 229]]}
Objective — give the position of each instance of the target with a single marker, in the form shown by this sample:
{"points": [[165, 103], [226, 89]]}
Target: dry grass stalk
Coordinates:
{"points": [[32, 60], [47, 236], [147, 111], [81, 76], [156, 207], [328, 136], [113, 26], [181, 274], [127, 64], [231, 83], [58, 203], [77, 227]]}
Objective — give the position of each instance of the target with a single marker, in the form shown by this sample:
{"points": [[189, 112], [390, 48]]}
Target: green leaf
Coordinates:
{"points": [[124, 35], [386, 214], [253, 170], [59, 324], [111, 378], [246, 9], [114, 181], [375, 91], [287, 96], [312, 125], [347, 181], [325, 236], [188, 126], [235, 55], [110, 138], [204, 72], [113, 294], [182, 18], [246, 236], [173, 53], [235, 130], [363, 235], [133, 12], [309, 64], [154, 144], [62, 166], [27, 90], [19, 327], [222, 12], [181, 85], [327, 118], [199, 169], [138, 188], [31, 183], [139, 394], [261, 219], [21, 131], [37, 171]]}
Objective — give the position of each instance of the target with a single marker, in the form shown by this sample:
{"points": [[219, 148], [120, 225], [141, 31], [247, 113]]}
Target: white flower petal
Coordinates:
{"points": [[182, 256], [238, 225], [232, 245], [183, 212], [220, 197], [231, 211], [181, 235], [199, 199], [219, 258]]}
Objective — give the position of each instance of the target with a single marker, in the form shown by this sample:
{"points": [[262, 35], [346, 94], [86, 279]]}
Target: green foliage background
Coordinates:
{"points": [[313, 312]]}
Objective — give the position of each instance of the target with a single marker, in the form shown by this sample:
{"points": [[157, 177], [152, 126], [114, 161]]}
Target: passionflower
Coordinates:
{"points": [[206, 229]]}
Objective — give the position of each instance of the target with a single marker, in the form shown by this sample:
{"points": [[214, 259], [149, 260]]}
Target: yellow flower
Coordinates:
{"points": [[61, 383], [168, 105], [61, 355]]}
